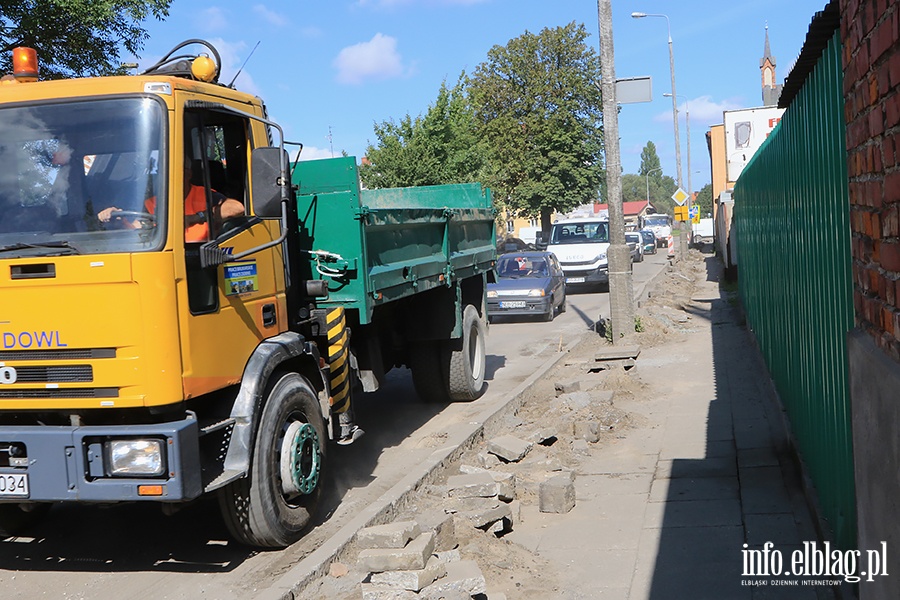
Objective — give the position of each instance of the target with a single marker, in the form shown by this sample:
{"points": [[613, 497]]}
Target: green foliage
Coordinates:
{"points": [[76, 38], [650, 161], [661, 187], [441, 147], [704, 200], [539, 111]]}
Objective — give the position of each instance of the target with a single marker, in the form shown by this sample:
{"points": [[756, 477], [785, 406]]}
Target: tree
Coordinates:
{"points": [[538, 107], [76, 38], [704, 200], [441, 147], [661, 187]]}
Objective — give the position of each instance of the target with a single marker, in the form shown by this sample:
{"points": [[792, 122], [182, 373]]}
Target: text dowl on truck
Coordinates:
{"points": [[185, 312]]}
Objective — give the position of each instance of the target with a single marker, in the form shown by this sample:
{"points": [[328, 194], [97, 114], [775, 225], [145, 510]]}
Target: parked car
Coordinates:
{"points": [[649, 239], [528, 283], [636, 245]]}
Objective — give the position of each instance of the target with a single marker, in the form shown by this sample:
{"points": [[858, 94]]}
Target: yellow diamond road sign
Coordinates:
{"points": [[680, 196]]}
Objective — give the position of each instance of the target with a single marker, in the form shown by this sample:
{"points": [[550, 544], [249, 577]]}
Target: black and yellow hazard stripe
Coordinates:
{"points": [[338, 359]]}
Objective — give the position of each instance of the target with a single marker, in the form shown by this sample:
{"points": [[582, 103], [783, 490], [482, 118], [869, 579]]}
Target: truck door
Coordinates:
{"points": [[226, 310]]}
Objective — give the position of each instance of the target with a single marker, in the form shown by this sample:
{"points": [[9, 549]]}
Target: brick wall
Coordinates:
{"points": [[870, 30]]}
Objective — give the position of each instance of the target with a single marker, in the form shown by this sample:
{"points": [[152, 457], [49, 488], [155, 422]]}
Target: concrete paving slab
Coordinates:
{"points": [[697, 450], [591, 486], [780, 529], [763, 491], [752, 433], [695, 488], [722, 466], [693, 513], [757, 457], [626, 461], [591, 569]]}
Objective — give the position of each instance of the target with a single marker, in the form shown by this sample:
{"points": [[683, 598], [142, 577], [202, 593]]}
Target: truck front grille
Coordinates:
{"points": [[58, 354], [55, 374], [20, 394]]}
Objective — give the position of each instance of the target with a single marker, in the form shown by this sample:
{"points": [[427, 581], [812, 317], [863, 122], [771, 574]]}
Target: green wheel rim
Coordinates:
{"points": [[306, 459]]}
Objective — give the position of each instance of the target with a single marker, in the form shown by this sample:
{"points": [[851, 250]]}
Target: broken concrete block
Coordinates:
{"points": [[448, 556], [581, 447], [380, 592], [390, 535], [411, 558], [411, 580], [618, 352], [500, 527], [464, 505], [487, 460], [470, 470], [463, 576], [506, 485], [438, 521], [509, 448], [474, 485], [567, 387], [607, 365], [544, 437], [483, 518], [588, 431], [576, 400], [557, 493], [602, 396], [515, 511]]}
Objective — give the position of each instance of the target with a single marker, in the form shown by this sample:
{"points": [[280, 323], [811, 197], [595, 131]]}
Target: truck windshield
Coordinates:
{"points": [[62, 165], [657, 221], [580, 233]]}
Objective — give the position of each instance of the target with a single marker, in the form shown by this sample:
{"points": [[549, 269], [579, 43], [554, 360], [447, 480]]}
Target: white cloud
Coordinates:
{"points": [[272, 17], [376, 59], [703, 111], [212, 19]]}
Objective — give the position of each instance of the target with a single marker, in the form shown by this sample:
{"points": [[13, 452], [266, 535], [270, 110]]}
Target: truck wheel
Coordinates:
{"points": [[272, 506], [428, 363], [466, 376], [17, 519]]}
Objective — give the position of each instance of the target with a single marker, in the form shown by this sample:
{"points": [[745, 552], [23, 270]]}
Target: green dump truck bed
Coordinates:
{"points": [[390, 243]]}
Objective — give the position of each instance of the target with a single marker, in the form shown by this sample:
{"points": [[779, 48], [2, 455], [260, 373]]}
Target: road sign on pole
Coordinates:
{"points": [[680, 196], [681, 213]]}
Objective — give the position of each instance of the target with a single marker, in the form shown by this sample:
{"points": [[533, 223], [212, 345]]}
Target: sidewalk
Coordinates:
{"points": [[665, 511]]}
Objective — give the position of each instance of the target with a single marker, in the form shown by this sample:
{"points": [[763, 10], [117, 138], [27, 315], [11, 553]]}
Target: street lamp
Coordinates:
{"points": [[648, 181], [640, 15], [687, 119]]}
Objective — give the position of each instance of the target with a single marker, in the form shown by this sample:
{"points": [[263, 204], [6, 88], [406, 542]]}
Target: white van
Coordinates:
{"points": [[581, 245]]}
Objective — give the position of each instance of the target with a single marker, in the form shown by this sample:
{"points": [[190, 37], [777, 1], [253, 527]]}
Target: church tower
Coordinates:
{"points": [[770, 90]]}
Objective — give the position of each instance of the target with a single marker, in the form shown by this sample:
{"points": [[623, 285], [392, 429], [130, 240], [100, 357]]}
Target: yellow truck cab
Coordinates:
{"points": [[153, 347]]}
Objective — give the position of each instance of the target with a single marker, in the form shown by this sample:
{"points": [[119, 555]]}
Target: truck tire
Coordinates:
{"points": [[17, 519], [272, 506], [429, 364], [451, 370], [467, 358]]}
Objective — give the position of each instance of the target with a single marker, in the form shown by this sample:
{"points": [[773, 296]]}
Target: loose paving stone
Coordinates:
{"points": [[568, 386], [379, 592], [442, 524], [390, 535], [413, 557], [463, 576], [509, 448], [557, 493], [618, 352], [589, 431], [482, 519], [411, 580], [576, 400], [474, 485]]}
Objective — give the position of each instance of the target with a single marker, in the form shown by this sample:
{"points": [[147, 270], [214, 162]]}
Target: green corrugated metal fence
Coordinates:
{"points": [[793, 233]]}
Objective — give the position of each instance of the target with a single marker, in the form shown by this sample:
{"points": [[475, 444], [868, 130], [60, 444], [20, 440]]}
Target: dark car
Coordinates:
{"points": [[528, 283], [649, 241]]}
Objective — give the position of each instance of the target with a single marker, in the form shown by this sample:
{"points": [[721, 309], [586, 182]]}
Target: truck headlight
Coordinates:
{"points": [[136, 457], [600, 257]]}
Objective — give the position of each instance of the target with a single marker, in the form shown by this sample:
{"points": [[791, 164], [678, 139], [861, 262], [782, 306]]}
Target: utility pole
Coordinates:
{"points": [[621, 296]]}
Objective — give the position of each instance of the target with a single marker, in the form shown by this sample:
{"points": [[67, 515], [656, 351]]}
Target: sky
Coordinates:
{"points": [[328, 71]]}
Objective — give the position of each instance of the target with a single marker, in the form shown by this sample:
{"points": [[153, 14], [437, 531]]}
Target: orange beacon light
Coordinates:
{"points": [[25, 64]]}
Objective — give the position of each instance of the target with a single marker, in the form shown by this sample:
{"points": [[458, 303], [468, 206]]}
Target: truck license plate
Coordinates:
{"points": [[513, 304], [574, 279], [14, 485]]}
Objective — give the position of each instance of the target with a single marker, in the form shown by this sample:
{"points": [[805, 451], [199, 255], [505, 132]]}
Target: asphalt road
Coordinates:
{"points": [[136, 552]]}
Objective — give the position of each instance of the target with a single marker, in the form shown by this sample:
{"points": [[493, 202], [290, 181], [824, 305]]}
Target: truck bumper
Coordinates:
{"points": [[70, 464]]}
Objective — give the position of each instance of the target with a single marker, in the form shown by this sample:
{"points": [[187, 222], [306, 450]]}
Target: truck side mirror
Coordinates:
{"points": [[268, 180]]}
